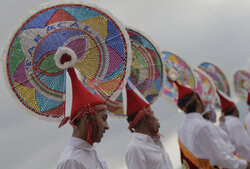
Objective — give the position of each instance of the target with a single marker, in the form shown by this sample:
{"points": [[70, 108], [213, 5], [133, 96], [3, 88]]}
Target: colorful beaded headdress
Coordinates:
{"points": [[93, 36], [147, 70], [217, 76], [241, 83], [205, 87], [177, 69]]}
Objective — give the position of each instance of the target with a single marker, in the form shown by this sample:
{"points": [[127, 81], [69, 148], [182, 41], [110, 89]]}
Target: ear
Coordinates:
{"points": [[85, 118], [145, 118]]}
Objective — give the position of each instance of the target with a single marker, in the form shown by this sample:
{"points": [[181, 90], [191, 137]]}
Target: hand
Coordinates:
{"points": [[222, 118]]}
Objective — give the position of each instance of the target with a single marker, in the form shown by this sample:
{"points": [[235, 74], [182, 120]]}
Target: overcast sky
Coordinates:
{"points": [[197, 30]]}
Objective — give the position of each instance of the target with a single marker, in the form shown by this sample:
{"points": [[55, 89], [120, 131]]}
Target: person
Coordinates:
{"points": [[210, 116], [200, 146], [247, 118], [89, 121], [145, 150], [233, 126]]}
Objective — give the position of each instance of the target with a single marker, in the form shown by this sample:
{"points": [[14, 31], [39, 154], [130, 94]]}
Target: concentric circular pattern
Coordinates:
{"points": [[99, 42], [205, 87], [147, 71], [241, 81], [176, 69], [217, 76]]}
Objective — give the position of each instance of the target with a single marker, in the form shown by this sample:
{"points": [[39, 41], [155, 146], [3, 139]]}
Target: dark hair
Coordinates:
{"points": [[205, 116], [230, 111], [77, 122], [131, 117], [182, 103], [192, 107]]}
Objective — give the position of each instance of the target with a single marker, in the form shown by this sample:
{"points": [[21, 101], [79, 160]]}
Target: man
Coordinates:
{"points": [[247, 118], [145, 150], [210, 116], [234, 127], [89, 121], [200, 146]]}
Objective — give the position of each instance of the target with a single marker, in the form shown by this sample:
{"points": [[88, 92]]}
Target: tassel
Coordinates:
{"points": [[64, 121], [89, 137]]}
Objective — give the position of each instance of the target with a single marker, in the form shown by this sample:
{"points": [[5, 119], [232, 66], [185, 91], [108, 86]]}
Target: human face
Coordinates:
{"points": [[101, 120], [154, 122]]}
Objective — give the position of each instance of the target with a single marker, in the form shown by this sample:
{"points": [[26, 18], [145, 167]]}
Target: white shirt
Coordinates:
{"points": [[203, 142], [79, 154], [144, 153], [224, 136], [247, 122], [238, 136]]}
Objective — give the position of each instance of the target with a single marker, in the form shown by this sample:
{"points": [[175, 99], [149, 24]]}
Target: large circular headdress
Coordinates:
{"points": [[176, 69], [97, 43], [217, 76], [205, 87], [241, 82], [147, 70]]}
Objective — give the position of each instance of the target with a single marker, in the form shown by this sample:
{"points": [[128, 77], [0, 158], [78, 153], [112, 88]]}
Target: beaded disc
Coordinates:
{"points": [[99, 41], [177, 69], [147, 70], [217, 76], [205, 87], [241, 83]]}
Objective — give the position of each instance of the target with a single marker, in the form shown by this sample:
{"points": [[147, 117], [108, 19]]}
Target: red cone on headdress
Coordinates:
{"points": [[81, 96], [226, 104], [183, 90], [134, 102]]}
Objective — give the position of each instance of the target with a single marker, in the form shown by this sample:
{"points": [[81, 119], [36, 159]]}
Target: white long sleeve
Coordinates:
{"points": [[135, 158], [144, 153], [70, 164], [216, 153], [239, 137], [204, 142], [79, 154]]}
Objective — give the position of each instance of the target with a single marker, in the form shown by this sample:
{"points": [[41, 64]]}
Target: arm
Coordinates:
{"points": [[217, 155], [241, 140], [135, 159], [70, 164]]}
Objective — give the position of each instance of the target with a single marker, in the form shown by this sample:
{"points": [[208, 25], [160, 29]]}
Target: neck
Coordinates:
{"points": [[199, 110], [143, 130], [80, 133]]}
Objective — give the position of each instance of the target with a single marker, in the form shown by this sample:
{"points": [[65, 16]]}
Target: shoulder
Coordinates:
{"points": [[134, 147], [233, 122], [205, 128], [71, 155], [70, 163]]}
